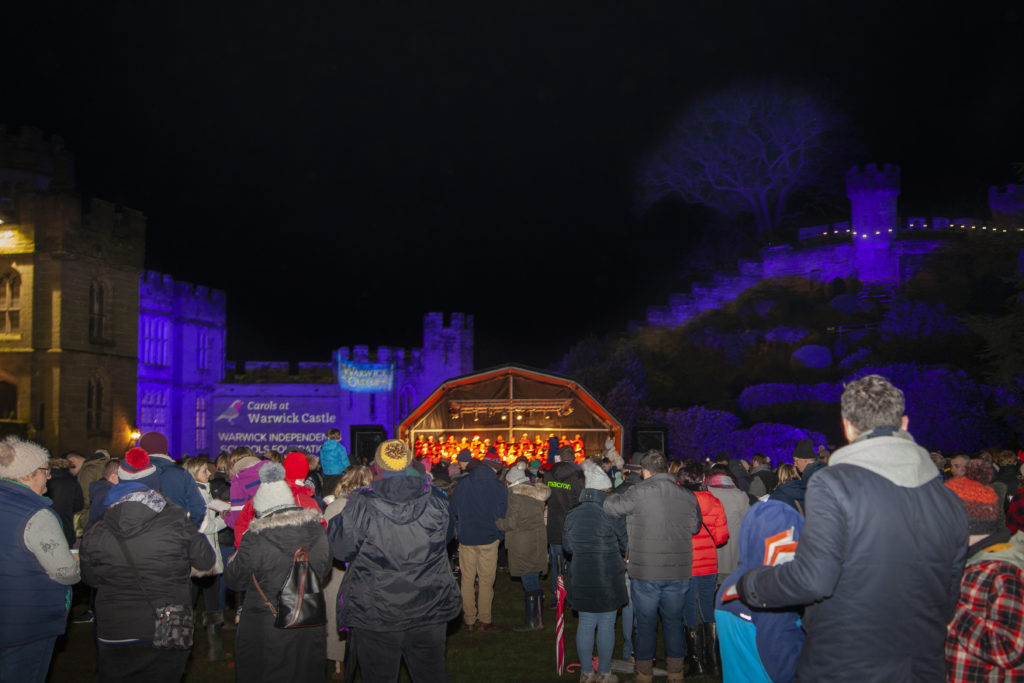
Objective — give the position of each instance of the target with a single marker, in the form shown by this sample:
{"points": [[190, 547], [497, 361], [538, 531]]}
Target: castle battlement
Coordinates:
{"points": [[869, 179]]}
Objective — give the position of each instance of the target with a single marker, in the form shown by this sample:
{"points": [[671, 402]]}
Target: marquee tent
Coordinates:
{"points": [[511, 402]]}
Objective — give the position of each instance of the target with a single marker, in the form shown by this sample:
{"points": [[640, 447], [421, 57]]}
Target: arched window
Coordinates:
{"points": [[10, 303], [155, 340], [98, 305], [153, 410], [94, 415], [405, 402]]}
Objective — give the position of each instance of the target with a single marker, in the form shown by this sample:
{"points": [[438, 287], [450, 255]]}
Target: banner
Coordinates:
{"points": [[365, 377], [280, 424]]}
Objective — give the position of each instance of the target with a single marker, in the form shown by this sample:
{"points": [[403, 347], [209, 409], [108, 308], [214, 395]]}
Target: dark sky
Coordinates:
{"points": [[342, 168]]}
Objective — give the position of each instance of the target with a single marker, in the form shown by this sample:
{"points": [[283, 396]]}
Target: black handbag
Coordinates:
{"points": [[300, 602], [173, 625]]}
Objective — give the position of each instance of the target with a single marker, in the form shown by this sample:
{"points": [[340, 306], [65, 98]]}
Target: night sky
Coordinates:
{"points": [[341, 168]]}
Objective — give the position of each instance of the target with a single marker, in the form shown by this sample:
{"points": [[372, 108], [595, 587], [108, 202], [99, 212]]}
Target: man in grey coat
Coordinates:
{"points": [[881, 554], [661, 519]]}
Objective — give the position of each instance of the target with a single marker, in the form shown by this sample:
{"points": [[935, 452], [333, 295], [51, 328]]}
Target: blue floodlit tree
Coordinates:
{"points": [[751, 149]]}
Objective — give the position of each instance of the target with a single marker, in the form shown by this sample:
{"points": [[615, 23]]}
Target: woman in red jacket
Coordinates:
{"points": [[701, 640]]}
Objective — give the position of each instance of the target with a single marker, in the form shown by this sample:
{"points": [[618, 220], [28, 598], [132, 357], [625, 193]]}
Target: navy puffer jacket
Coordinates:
{"points": [[596, 544]]}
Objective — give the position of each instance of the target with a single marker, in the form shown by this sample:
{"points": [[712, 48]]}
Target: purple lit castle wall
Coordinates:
{"points": [[281, 406], [868, 247], [182, 337]]}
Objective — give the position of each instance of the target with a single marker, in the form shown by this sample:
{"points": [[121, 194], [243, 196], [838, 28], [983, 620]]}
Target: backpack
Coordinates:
{"points": [[300, 602]]}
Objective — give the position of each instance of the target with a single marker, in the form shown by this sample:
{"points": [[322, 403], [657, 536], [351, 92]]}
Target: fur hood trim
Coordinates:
{"points": [[535, 491], [285, 518]]}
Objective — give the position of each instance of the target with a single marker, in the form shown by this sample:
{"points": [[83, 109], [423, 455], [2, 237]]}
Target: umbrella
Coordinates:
{"points": [[560, 627]]}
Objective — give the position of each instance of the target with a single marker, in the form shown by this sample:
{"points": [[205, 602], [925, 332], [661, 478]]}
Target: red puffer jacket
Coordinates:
{"points": [[714, 532]]}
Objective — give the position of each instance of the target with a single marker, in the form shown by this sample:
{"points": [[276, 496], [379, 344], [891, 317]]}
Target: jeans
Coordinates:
{"points": [[651, 598], [379, 655], [482, 561], [701, 594], [27, 663], [531, 582], [556, 567], [604, 622], [627, 625]]}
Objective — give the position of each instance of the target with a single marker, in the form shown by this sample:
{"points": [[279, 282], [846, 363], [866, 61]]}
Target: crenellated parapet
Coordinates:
{"points": [[873, 193], [31, 160]]}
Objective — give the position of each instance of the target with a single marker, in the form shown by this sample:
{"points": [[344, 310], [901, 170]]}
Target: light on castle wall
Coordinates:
{"points": [[135, 435]]}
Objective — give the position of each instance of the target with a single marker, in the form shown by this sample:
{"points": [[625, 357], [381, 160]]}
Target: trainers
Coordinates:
{"points": [[487, 628], [86, 617]]}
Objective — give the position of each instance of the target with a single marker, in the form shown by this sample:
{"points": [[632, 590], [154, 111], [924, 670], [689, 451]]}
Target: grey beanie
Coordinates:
{"points": [[517, 475], [19, 459], [274, 493]]}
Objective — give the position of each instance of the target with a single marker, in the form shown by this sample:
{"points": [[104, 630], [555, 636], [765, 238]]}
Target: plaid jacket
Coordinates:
{"points": [[985, 639]]}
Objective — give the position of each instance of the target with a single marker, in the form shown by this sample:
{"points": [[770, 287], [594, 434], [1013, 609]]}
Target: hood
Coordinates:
{"points": [[288, 517], [593, 496], [481, 472], [245, 463], [161, 460], [402, 499], [1011, 552], [565, 472], [897, 458], [762, 521], [133, 510], [536, 491]]}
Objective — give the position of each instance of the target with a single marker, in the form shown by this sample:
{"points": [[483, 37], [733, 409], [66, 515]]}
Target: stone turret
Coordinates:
{"points": [[873, 194]]}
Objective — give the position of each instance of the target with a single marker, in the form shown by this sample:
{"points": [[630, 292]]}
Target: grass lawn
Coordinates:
{"points": [[472, 656]]}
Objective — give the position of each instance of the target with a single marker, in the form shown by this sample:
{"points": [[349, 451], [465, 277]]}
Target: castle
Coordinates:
{"points": [[95, 350], [874, 246]]}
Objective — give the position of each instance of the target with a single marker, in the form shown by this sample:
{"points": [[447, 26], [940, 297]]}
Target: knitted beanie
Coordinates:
{"points": [[154, 442], [135, 465], [804, 450], [594, 477], [464, 455], [296, 467], [981, 503], [517, 475], [392, 456], [274, 493], [19, 459]]}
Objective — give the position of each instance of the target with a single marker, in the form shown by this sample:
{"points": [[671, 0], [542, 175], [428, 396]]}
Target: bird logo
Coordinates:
{"points": [[231, 413]]}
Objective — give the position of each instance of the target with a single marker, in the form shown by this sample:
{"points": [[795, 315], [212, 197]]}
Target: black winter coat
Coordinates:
{"points": [[263, 652], [66, 494], [164, 545], [566, 483], [596, 545], [394, 535]]}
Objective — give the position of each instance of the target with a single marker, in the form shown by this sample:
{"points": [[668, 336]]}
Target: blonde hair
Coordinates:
{"points": [[355, 477], [194, 465], [788, 472]]}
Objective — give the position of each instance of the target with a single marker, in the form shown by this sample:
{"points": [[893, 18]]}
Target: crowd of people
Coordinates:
{"points": [[879, 561]]}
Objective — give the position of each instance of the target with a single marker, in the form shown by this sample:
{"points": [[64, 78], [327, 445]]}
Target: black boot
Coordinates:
{"points": [[531, 614], [693, 665], [712, 656], [216, 652]]}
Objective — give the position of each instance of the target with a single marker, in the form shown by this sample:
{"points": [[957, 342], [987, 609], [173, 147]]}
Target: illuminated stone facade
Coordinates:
{"points": [[68, 302]]}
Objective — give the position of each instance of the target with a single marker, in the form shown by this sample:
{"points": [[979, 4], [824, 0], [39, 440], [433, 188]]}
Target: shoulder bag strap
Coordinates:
{"points": [[138, 578], [263, 595]]}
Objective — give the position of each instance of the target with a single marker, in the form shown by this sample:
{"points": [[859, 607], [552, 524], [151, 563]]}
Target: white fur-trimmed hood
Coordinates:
{"points": [[285, 518], [535, 491]]}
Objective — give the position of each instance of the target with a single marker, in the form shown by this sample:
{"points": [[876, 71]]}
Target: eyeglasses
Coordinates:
{"points": [[45, 469]]}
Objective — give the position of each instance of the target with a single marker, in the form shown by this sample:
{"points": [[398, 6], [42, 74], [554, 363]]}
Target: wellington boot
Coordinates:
{"points": [[531, 615], [711, 655], [694, 640], [644, 672], [213, 638]]}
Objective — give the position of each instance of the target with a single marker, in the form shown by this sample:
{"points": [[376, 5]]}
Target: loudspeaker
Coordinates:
{"points": [[364, 440], [650, 437]]}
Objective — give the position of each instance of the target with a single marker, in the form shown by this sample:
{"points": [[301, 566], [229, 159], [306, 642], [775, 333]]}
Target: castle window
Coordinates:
{"points": [[10, 303], [97, 311], [153, 411], [205, 350], [155, 341], [373, 405], [200, 422], [405, 400], [94, 406]]}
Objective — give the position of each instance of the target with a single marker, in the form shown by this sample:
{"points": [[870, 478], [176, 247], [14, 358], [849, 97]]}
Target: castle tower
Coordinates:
{"points": [[873, 219], [447, 350], [68, 302]]}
